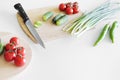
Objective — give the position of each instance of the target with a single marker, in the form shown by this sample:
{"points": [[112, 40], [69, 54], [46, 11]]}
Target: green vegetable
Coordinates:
{"points": [[62, 20], [37, 24], [112, 30], [47, 15], [90, 19], [1, 48], [57, 17], [102, 34]]}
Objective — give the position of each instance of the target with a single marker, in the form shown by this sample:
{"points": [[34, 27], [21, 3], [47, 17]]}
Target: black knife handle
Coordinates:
{"points": [[21, 11]]}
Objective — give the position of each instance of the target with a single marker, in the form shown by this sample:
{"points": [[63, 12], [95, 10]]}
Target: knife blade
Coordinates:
{"points": [[28, 23]]}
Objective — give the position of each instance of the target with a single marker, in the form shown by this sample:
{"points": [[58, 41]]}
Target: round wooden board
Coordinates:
{"points": [[9, 69]]}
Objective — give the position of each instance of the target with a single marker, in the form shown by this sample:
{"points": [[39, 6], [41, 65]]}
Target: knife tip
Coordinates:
{"points": [[44, 47]]}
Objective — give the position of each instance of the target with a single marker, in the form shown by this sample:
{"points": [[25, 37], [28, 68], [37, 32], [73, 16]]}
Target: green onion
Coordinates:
{"points": [[90, 19]]}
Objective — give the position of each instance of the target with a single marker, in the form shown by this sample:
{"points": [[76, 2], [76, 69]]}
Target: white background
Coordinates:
{"points": [[66, 58]]}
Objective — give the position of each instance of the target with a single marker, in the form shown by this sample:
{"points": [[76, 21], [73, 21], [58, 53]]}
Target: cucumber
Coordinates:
{"points": [[47, 16], [1, 48], [62, 20], [37, 24], [57, 17]]}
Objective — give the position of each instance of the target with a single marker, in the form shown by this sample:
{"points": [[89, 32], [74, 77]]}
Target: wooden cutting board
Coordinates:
{"points": [[48, 31]]}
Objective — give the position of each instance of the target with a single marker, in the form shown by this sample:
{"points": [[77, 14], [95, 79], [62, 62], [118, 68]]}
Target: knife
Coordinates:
{"points": [[28, 23]]}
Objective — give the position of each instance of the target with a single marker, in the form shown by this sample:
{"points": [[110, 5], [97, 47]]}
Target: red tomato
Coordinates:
{"points": [[14, 40], [9, 55], [75, 4], [69, 4], [21, 51], [75, 10], [19, 61], [69, 10], [9, 46], [62, 7]]}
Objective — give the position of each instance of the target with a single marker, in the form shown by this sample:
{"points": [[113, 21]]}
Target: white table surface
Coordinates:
{"points": [[66, 58]]}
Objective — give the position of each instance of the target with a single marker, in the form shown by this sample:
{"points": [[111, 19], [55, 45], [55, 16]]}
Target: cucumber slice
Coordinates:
{"points": [[62, 20], [57, 17], [47, 16], [37, 24]]}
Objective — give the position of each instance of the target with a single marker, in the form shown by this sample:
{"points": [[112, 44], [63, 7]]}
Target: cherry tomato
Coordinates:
{"points": [[69, 4], [69, 10], [75, 4], [14, 40], [19, 60], [9, 46], [75, 10], [9, 55], [21, 51], [62, 7]]}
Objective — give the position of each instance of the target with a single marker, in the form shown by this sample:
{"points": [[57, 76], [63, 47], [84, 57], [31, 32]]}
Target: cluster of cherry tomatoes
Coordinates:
{"points": [[14, 53], [69, 8]]}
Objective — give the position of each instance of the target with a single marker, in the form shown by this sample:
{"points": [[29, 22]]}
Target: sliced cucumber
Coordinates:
{"points": [[62, 20], [37, 24], [57, 17], [47, 15]]}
